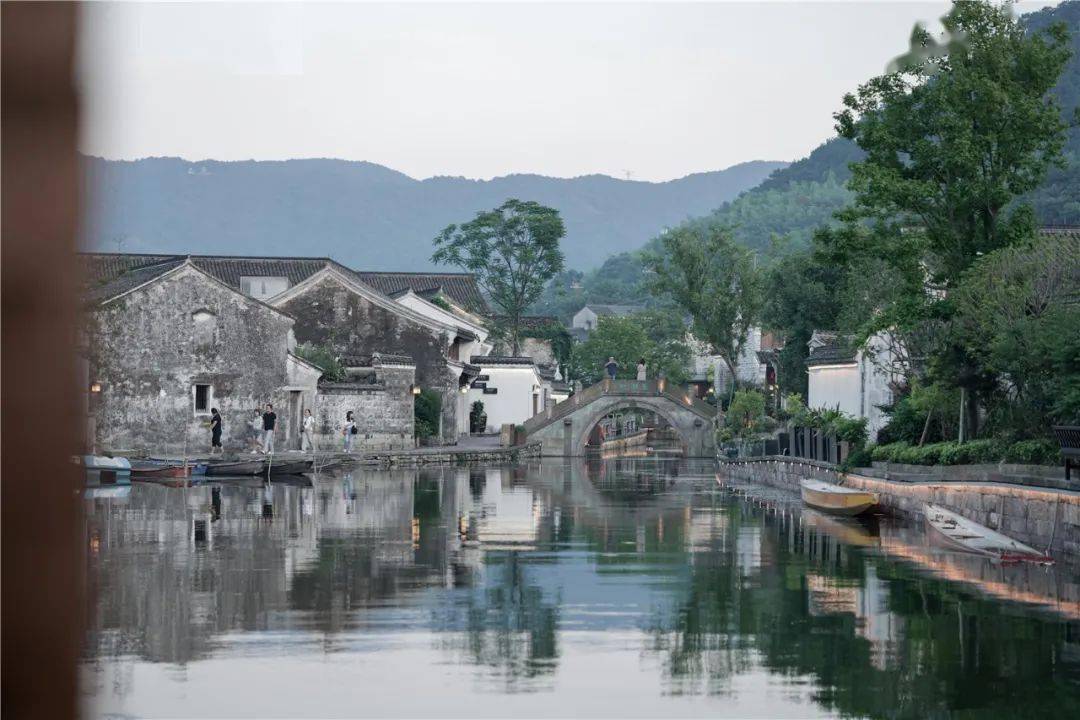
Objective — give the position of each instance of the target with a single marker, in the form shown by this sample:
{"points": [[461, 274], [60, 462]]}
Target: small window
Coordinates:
{"points": [[203, 396], [262, 287]]}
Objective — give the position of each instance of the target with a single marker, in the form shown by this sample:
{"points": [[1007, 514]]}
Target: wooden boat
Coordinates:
{"points": [[103, 471], [239, 467], [161, 470], [836, 499], [289, 467], [956, 531]]}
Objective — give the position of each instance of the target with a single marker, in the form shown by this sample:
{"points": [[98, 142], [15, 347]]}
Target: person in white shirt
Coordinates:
{"points": [[641, 369], [349, 430], [307, 431]]}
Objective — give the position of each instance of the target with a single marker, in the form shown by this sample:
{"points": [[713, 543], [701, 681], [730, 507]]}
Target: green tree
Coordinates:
{"points": [[427, 406], [713, 279], [513, 250], [1018, 316], [628, 340], [323, 358], [952, 137]]}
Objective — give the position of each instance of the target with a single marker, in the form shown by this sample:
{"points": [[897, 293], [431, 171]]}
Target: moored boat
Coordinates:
{"points": [[103, 471], [289, 467], [161, 470], [240, 467], [957, 532], [836, 499]]}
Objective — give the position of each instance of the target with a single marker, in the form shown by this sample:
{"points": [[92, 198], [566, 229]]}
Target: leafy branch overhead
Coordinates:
{"points": [[512, 250]]}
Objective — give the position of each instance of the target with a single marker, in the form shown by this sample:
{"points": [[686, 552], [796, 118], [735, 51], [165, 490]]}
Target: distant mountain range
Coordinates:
{"points": [[369, 216], [802, 196]]}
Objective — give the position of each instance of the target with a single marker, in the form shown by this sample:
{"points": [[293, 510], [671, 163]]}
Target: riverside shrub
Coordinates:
{"points": [[1025, 452]]}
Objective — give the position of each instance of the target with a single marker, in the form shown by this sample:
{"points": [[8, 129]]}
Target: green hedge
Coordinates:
{"points": [[1026, 452]]}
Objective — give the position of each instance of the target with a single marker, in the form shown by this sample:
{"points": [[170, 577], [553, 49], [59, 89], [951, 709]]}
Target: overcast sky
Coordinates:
{"points": [[654, 90]]}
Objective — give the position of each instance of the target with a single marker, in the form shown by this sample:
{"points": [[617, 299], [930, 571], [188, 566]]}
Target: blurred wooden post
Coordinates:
{"points": [[42, 551]]}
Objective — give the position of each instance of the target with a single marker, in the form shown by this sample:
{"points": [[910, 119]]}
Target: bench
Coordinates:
{"points": [[1069, 438]]}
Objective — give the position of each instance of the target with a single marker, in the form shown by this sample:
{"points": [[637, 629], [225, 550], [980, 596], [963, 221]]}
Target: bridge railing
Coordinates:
{"points": [[621, 388]]}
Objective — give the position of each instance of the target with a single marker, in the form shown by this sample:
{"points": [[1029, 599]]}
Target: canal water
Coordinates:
{"points": [[620, 587]]}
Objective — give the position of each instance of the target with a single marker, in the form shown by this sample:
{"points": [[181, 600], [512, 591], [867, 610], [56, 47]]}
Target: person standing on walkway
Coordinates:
{"points": [[348, 430], [307, 430], [269, 420], [254, 431], [641, 367], [215, 431], [611, 367]]}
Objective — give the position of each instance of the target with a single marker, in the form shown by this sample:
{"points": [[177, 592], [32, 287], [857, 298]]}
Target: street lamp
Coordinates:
{"points": [[415, 389]]}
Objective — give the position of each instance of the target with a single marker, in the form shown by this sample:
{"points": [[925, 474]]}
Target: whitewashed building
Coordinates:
{"points": [[588, 317], [511, 388], [855, 380], [706, 367]]}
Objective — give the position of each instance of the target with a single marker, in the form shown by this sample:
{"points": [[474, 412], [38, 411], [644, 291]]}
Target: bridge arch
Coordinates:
{"points": [[564, 430], [594, 414]]}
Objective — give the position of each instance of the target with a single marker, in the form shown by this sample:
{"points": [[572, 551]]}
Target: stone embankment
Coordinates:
{"points": [[1047, 518], [449, 455]]}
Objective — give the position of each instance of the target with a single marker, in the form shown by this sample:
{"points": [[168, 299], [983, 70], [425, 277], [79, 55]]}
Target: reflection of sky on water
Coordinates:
{"points": [[626, 587]]}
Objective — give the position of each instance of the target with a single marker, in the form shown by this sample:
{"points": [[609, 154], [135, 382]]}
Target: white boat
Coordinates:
{"points": [[956, 531], [836, 499], [101, 471]]}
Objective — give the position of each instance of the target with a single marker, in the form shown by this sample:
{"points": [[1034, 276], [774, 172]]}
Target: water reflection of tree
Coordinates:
{"points": [[508, 625], [956, 651]]}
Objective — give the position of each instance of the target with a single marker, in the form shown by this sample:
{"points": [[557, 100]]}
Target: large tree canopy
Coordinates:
{"points": [[958, 131], [713, 279], [513, 250]]}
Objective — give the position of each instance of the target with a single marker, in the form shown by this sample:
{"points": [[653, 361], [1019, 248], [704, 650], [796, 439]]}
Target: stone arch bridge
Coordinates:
{"points": [[563, 430]]}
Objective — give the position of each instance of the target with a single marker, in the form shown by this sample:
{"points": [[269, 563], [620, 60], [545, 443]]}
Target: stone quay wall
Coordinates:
{"points": [[443, 456], [384, 420], [1045, 518]]}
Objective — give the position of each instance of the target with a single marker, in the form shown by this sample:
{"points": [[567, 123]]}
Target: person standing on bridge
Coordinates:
{"points": [[611, 367], [641, 370]]}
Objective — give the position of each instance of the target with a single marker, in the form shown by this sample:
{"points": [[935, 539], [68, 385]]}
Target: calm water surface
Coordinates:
{"points": [[615, 588]]}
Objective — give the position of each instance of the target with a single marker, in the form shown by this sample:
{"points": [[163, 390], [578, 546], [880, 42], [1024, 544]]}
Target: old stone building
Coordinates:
{"points": [[335, 310], [167, 341], [351, 314]]}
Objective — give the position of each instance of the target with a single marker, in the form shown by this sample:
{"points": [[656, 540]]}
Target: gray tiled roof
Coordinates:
{"points": [[459, 287], [228, 269], [614, 310], [102, 268], [489, 360], [109, 282], [837, 348]]}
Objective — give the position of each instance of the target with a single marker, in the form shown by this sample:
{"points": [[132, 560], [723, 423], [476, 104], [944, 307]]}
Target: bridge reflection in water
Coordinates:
{"points": [[604, 587]]}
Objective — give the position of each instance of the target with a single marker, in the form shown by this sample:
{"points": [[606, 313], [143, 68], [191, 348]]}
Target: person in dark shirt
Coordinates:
{"points": [[269, 420], [215, 431], [611, 367]]}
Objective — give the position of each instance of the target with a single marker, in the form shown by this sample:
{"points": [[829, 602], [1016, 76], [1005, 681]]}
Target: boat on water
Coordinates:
{"points": [[239, 467], [148, 469], [836, 499], [104, 471], [957, 532], [288, 467]]}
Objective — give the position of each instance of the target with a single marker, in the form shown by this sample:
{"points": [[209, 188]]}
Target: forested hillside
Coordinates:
{"points": [[803, 196]]}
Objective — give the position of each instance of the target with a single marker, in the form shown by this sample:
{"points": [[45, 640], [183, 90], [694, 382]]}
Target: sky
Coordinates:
{"points": [[646, 91]]}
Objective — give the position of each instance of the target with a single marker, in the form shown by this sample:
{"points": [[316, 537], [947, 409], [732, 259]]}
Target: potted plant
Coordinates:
{"points": [[477, 418]]}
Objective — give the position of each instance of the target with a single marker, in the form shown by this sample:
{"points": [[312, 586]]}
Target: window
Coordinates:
{"points": [[204, 395], [262, 287], [205, 328]]}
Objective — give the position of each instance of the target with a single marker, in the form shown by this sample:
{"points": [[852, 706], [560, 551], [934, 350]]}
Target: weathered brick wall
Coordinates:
{"points": [[332, 315], [384, 419], [1040, 517], [146, 349]]}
